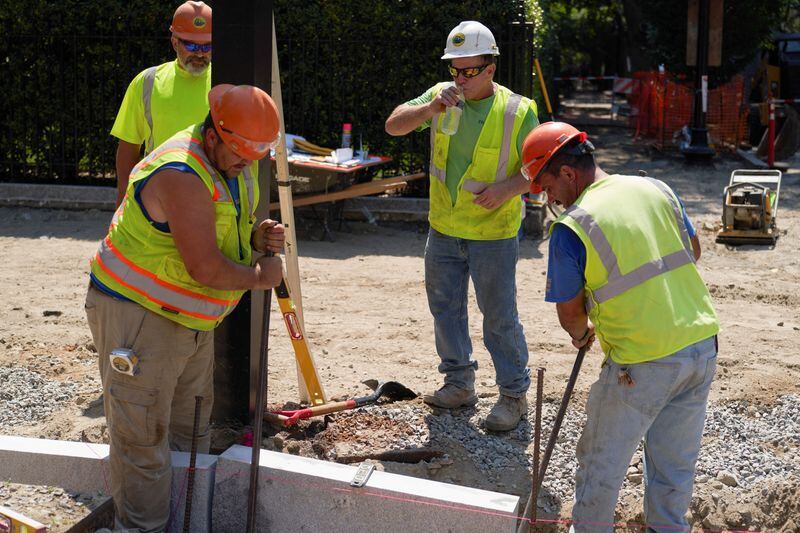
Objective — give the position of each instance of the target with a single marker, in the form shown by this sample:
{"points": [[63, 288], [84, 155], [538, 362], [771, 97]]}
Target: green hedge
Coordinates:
{"points": [[64, 67]]}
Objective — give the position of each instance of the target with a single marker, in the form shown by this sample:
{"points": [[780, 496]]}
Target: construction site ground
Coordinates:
{"points": [[366, 316]]}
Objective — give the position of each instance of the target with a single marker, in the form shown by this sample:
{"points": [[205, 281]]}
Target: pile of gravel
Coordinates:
{"points": [[26, 397], [752, 442], [743, 444]]}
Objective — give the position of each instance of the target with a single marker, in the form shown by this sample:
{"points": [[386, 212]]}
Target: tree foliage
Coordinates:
{"points": [[64, 67]]}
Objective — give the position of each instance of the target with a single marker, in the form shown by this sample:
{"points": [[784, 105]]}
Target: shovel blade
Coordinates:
{"points": [[390, 389]]}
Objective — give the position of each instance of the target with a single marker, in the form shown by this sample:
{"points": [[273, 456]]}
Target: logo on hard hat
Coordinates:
{"points": [[458, 39], [199, 22]]}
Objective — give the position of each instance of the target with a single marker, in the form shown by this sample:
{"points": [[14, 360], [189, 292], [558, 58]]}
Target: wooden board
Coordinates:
{"points": [[359, 189]]}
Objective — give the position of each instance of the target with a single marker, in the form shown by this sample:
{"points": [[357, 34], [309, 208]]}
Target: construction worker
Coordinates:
{"points": [[175, 262], [475, 213], [622, 269], [162, 100]]}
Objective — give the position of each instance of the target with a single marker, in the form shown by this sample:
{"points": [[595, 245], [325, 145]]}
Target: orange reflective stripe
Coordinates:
{"points": [[163, 283], [163, 304], [125, 272]]}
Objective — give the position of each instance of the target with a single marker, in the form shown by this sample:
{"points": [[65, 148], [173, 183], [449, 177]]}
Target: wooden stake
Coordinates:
{"points": [[287, 213]]}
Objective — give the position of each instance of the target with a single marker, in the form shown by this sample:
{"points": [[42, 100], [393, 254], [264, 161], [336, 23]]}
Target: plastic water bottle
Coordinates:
{"points": [[452, 115], [347, 134]]}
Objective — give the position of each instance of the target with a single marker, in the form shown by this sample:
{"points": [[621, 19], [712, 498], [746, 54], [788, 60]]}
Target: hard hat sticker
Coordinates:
{"points": [[199, 22], [458, 39]]}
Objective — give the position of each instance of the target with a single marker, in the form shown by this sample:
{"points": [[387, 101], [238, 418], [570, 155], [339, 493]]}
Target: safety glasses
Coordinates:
{"points": [[195, 47], [529, 175], [247, 148], [468, 72]]}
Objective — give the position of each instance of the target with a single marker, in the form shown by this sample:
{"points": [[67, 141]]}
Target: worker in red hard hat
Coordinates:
{"points": [[621, 270], [164, 99], [175, 262]]}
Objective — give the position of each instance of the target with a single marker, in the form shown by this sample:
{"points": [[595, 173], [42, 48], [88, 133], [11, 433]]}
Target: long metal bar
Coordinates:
{"points": [[187, 515], [551, 443], [258, 416]]}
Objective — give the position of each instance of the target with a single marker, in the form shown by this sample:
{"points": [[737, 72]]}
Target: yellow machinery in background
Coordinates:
{"points": [[750, 208]]}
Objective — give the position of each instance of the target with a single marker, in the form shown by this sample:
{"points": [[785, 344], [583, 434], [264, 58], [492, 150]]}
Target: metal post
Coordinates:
{"points": [[698, 148], [551, 443], [771, 134], [187, 515], [537, 438]]}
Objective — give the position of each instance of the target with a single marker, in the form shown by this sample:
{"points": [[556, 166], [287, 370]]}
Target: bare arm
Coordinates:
{"points": [[406, 118], [696, 247], [498, 193], [127, 157], [573, 318], [182, 200]]}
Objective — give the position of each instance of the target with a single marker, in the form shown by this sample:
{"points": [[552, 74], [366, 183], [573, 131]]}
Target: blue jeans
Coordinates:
{"points": [[666, 406], [492, 265]]}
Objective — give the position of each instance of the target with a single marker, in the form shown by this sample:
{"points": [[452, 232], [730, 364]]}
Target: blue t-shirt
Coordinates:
{"points": [[566, 262]]}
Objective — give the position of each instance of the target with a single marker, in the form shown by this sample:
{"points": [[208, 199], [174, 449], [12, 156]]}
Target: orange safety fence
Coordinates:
{"points": [[662, 105]]}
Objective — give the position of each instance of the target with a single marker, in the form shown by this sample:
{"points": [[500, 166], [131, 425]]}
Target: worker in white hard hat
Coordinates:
{"points": [[475, 215]]}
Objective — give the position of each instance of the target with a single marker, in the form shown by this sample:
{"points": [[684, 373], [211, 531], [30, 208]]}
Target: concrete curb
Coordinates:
{"points": [[295, 493], [77, 197]]}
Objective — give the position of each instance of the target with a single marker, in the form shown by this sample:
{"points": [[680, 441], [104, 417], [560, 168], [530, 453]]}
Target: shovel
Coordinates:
{"points": [[392, 390]]}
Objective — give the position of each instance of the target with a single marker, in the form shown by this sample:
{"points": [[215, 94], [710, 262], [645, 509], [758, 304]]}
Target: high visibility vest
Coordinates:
{"points": [[643, 291], [193, 106], [142, 263], [494, 159]]}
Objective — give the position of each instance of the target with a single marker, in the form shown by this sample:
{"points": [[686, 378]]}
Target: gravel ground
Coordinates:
{"points": [[26, 397], [750, 451]]}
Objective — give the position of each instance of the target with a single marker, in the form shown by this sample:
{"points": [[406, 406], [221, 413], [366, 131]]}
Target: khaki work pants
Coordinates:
{"points": [[153, 412]]}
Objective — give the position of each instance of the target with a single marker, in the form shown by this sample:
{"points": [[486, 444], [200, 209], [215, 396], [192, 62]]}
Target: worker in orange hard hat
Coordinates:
{"points": [[174, 264], [164, 99], [621, 269]]}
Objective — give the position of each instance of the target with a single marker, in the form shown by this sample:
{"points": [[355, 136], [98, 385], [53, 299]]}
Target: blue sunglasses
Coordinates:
{"points": [[195, 47]]}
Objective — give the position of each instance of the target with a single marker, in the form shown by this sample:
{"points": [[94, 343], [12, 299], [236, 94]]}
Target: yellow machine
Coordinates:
{"points": [[750, 207]]}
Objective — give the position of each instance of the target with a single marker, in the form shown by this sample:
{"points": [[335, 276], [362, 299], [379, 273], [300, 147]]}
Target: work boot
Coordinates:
{"points": [[506, 413], [450, 397]]}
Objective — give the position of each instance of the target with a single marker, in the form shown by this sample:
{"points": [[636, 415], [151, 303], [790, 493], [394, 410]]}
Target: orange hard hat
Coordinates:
{"points": [[192, 22], [543, 143], [246, 119]]}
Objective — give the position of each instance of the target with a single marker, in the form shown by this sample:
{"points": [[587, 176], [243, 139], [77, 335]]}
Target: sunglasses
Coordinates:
{"points": [[195, 47], [469, 72]]}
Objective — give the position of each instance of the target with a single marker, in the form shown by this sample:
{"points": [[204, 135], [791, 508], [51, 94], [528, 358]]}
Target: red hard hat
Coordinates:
{"points": [[246, 119], [543, 143], [192, 22]]}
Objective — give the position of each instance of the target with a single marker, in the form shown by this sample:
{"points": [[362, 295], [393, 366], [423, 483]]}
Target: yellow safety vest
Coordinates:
{"points": [[143, 264], [494, 159], [643, 291]]}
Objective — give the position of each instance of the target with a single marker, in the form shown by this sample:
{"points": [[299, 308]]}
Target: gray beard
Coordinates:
{"points": [[193, 69]]}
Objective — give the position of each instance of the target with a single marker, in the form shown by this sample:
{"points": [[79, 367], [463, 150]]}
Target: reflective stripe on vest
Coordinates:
{"points": [[248, 181], [168, 296], [148, 80], [508, 126], [618, 283], [194, 148], [434, 170], [505, 147]]}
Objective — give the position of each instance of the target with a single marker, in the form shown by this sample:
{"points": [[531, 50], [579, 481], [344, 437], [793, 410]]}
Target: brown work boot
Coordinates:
{"points": [[506, 413], [450, 397]]}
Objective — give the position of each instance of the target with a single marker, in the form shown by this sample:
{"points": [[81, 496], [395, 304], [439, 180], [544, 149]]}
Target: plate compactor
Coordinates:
{"points": [[750, 208]]}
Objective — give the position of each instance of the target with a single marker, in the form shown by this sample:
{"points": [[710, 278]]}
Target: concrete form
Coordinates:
{"points": [[295, 493]]}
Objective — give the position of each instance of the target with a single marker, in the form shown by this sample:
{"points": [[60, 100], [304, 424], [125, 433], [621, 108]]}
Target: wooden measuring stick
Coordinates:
{"points": [[287, 217]]}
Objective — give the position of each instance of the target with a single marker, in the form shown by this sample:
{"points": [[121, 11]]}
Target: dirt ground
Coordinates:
{"points": [[367, 317]]}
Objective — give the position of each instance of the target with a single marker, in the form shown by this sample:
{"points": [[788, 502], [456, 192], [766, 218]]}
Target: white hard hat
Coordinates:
{"points": [[469, 39]]}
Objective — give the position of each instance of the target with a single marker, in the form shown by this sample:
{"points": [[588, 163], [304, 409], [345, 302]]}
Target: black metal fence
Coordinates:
{"points": [[61, 94]]}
